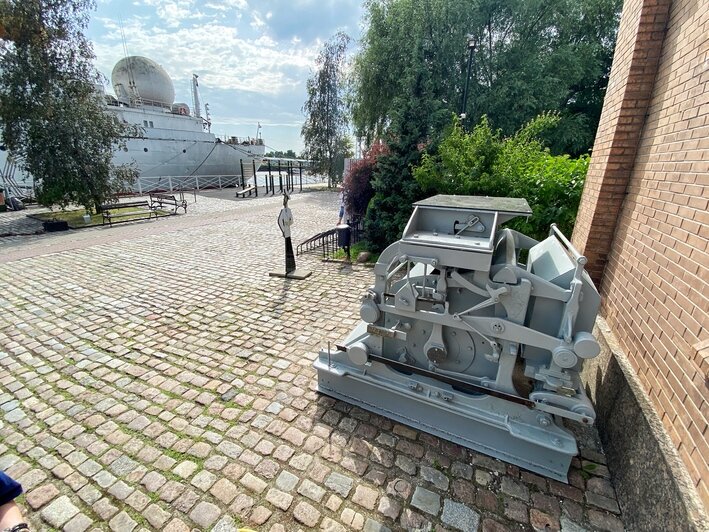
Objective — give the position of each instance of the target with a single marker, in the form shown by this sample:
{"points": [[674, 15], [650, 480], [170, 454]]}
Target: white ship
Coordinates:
{"points": [[175, 147]]}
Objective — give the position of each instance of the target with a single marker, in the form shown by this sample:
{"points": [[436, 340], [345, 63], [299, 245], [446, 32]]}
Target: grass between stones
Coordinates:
{"points": [[75, 218]]}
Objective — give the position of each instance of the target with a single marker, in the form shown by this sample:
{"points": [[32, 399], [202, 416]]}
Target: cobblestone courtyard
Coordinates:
{"points": [[154, 377]]}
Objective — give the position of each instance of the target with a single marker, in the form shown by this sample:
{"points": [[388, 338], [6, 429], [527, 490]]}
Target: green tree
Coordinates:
{"points": [[52, 117], [289, 154], [325, 129], [530, 56], [343, 150]]}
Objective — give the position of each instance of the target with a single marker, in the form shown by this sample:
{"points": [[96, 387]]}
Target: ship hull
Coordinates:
{"points": [[176, 157], [177, 147], [168, 159]]}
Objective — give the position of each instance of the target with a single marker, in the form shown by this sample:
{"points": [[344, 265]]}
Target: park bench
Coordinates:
{"points": [[136, 210], [159, 199], [242, 193]]}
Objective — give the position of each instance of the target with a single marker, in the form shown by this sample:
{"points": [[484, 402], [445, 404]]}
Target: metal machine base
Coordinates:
{"points": [[514, 433]]}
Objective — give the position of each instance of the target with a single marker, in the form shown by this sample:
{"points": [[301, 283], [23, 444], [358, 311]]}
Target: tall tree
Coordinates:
{"points": [[530, 56], [325, 129], [51, 117]]}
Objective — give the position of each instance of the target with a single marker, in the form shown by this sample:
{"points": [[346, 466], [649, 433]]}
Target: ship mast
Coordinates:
{"points": [[208, 119], [195, 96]]}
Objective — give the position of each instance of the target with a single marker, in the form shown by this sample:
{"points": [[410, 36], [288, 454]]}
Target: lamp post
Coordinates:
{"points": [[471, 50]]}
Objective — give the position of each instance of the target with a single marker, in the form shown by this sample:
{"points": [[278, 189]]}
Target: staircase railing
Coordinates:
{"points": [[326, 243], [248, 171]]}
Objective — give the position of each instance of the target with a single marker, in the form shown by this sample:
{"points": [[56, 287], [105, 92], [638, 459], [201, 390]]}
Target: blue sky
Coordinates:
{"points": [[253, 57]]}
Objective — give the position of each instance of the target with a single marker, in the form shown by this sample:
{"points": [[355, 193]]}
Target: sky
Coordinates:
{"points": [[253, 57]]}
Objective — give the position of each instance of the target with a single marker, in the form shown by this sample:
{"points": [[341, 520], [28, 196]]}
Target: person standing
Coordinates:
{"points": [[342, 205], [10, 514]]}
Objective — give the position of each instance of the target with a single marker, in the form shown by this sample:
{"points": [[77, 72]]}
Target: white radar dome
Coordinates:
{"points": [[151, 80]]}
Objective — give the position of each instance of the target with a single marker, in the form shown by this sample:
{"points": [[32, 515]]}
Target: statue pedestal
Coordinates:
{"points": [[295, 274]]}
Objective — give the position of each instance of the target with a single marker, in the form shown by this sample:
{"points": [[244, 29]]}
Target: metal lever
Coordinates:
{"points": [[471, 221]]}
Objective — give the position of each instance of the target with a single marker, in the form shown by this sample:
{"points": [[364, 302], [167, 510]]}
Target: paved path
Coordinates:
{"points": [[154, 377], [206, 211]]}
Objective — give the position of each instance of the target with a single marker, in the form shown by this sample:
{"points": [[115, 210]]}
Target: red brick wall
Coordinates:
{"points": [[644, 217]]}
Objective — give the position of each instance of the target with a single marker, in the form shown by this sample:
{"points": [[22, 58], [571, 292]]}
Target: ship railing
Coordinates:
{"points": [[144, 184], [243, 141], [135, 103], [138, 101], [12, 182]]}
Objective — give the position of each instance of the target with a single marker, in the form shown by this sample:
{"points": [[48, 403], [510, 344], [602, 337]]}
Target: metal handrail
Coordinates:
{"points": [[327, 241]]}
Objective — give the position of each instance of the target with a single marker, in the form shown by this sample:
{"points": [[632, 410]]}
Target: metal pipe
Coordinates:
{"points": [[269, 178], [253, 162], [471, 48], [554, 230]]}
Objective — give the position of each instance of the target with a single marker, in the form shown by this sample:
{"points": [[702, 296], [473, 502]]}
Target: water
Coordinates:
{"points": [[308, 178]]}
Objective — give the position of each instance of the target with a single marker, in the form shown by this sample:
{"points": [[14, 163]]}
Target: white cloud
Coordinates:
{"points": [[257, 22], [252, 56], [238, 4], [173, 12], [217, 53]]}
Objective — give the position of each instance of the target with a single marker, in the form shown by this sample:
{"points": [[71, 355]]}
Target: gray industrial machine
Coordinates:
{"points": [[460, 339]]}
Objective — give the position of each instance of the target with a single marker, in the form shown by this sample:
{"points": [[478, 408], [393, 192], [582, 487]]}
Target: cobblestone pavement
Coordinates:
{"points": [[204, 212], [163, 381], [18, 223], [18, 229]]}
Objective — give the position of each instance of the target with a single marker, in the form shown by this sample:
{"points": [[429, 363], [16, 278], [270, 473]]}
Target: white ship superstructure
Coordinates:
{"points": [[178, 145], [174, 146]]}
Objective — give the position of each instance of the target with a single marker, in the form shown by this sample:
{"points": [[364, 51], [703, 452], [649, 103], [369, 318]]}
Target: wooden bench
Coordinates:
{"points": [[137, 210], [242, 193], [159, 199]]}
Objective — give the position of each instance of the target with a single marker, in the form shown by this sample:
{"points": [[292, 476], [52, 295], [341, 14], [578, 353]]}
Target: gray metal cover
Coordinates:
{"points": [[518, 206]]}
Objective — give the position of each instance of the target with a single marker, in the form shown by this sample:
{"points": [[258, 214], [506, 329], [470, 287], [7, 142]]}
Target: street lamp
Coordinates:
{"points": [[471, 49]]}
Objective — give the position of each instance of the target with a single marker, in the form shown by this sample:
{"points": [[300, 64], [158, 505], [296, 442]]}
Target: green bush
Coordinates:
{"points": [[483, 163], [552, 185]]}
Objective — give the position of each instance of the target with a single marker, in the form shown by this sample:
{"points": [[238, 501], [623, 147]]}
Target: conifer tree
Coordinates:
{"points": [[395, 189]]}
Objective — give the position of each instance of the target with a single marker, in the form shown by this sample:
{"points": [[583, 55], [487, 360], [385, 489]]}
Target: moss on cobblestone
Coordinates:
{"points": [[105, 367]]}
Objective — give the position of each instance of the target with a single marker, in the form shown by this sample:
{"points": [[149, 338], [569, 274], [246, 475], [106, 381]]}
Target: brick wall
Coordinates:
{"points": [[644, 216]]}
